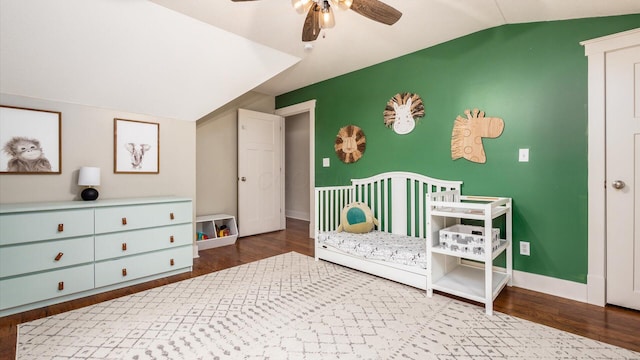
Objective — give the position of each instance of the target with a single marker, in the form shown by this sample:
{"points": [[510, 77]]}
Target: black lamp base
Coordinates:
{"points": [[89, 194]]}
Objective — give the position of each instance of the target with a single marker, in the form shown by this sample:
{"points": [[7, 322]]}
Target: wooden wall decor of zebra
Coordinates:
{"points": [[402, 111], [466, 138], [350, 144]]}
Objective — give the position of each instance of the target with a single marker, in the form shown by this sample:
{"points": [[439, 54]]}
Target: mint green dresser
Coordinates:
{"points": [[58, 251]]}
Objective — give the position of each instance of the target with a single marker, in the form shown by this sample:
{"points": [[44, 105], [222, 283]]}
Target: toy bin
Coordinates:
{"points": [[467, 238]]}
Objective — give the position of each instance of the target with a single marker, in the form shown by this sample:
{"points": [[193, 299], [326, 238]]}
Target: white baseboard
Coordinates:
{"points": [[552, 286], [299, 215], [596, 290]]}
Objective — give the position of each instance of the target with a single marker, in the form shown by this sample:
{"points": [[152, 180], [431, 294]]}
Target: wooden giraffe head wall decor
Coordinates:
{"points": [[466, 138]]}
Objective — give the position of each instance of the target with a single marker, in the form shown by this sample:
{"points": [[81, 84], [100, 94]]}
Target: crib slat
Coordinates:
{"points": [[334, 209], [327, 212], [379, 205], [337, 209], [421, 215], [385, 214], [323, 215], [398, 206], [365, 188], [412, 206], [319, 206]]}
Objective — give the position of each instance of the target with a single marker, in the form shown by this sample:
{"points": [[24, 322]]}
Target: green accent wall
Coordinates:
{"points": [[534, 76]]}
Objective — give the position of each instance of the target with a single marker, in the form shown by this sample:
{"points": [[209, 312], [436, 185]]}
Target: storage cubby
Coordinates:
{"points": [[215, 230]]}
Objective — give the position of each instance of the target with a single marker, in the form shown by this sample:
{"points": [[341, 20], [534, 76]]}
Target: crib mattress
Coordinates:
{"points": [[378, 245]]}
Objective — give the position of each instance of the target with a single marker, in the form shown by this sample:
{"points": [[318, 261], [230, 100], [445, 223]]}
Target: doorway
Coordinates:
{"points": [[296, 140], [294, 116]]}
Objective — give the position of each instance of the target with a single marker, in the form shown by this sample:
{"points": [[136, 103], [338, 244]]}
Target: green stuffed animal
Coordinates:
{"points": [[357, 218]]}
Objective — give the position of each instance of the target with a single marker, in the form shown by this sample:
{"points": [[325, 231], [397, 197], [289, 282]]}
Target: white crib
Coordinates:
{"points": [[398, 201]]}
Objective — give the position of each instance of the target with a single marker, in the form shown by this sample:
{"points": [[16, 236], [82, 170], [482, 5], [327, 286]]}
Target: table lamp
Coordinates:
{"points": [[89, 176]]}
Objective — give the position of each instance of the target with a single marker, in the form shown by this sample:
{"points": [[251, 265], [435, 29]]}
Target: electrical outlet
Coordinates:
{"points": [[524, 248], [326, 162], [523, 155]]}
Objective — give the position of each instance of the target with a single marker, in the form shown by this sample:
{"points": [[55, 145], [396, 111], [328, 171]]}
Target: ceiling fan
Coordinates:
{"points": [[320, 14]]}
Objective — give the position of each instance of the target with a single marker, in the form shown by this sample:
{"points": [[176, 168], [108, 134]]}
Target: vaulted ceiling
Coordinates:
{"points": [[357, 42], [185, 58]]}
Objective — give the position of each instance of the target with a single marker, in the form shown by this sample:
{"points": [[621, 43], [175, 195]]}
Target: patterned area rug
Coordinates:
{"points": [[292, 307]]}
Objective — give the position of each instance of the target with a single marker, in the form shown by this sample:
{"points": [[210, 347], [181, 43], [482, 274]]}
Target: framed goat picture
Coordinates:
{"points": [[136, 147], [30, 141]]}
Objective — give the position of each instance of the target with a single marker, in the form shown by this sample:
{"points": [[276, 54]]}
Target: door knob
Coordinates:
{"points": [[618, 184], [243, 178]]}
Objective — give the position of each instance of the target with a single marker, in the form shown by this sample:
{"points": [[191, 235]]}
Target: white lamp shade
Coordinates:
{"points": [[89, 176]]}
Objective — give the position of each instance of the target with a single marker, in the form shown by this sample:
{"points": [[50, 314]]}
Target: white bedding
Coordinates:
{"points": [[378, 245]]}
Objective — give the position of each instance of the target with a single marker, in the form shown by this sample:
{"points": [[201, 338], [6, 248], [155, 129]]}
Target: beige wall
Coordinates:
{"points": [[87, 140], [217, 154], [297, 166]]}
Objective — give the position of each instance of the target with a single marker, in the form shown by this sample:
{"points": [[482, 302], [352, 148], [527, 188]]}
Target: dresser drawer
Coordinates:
{"points": [[110, 272], [138, 241], [16, 228], [21, 259], [121, 218], [31, 288]]}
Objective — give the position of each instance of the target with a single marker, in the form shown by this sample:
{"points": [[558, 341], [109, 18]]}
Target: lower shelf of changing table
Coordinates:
{"points": [[468, 282]]}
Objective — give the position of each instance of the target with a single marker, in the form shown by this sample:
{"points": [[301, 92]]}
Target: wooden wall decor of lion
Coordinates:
{"points": [[350, 144]]}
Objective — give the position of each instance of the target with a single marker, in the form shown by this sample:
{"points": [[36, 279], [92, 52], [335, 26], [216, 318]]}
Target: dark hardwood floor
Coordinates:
{"points": [[610, 324]]}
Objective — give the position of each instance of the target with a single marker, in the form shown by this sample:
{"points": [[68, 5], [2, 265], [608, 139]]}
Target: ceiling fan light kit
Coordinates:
{"points": [[320, 15], [327, 21], [301, 6], [342, 4]]}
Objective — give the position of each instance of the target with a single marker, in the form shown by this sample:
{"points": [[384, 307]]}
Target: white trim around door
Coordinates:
{"points": [[596, 50], [310, 107]]}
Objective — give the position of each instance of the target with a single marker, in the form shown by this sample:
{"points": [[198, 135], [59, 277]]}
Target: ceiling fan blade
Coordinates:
{"points": [[377, 11], [311, 27]]}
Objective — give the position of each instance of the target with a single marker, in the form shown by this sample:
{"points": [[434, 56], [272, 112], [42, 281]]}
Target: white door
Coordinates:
{"points": [[623, 176], [260, 173]]}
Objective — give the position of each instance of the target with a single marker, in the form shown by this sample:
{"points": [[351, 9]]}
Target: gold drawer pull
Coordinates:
{"points": [[60, 227], [61, 285], [171, 240], [124, 272], [124, 246], [59, 256], [171, 216], [124, 221], [172, 262]]}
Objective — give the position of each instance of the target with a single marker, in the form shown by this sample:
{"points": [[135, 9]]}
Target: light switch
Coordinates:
{"points": [[523, 155], [326, 162]]}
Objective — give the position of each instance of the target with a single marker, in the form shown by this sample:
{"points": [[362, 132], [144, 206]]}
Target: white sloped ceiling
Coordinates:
{"points": [[357, 42], [130, 55], [186, 58]]}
